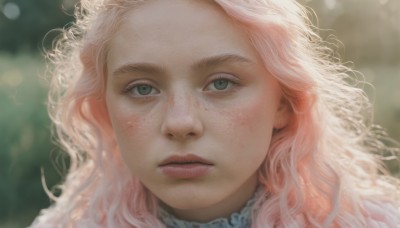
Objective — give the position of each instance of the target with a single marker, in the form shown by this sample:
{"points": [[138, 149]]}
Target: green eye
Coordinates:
{"points": [[143, 89], [221, 84]]}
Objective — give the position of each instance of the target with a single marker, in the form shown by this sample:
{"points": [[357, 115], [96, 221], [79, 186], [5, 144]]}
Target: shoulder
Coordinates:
{"points": [[381, 214]]}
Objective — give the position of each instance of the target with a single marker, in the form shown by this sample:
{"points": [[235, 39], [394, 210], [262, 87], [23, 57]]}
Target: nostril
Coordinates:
{"points": [[177, 135]]}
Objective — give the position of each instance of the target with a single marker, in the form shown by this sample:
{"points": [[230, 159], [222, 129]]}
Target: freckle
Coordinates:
{"points": [[131, 125], [202, 105]]}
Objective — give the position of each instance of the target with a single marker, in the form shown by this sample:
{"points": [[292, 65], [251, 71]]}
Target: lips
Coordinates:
{"points": [[185, 166], [185, 160]]}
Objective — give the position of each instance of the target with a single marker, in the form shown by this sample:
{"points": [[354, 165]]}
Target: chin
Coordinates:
{"points": [[187, 202], [186, 199], [185, 205]]}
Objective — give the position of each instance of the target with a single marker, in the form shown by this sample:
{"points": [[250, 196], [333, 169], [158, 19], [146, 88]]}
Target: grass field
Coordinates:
{"points": [[25, 144]]}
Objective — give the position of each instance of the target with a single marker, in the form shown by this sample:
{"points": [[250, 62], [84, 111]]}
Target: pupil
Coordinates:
{"points": [[221, 84], [144, 89]]}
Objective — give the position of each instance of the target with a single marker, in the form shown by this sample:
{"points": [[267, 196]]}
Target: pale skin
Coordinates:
{"points": [[183, 79]]}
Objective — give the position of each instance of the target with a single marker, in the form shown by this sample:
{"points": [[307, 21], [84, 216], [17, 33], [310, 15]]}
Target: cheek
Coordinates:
{"points": [[127, 125], [251, 116], [131, 135], [123, 122], [249, 124]]}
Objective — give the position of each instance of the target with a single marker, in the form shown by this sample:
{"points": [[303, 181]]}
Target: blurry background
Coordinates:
{"points": [[369, 30]]}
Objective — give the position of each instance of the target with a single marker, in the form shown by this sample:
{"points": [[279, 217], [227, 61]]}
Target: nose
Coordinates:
{"points": [[181, 118]]}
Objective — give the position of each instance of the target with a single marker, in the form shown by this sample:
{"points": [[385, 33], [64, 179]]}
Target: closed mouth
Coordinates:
{"points": [[182, 160]]}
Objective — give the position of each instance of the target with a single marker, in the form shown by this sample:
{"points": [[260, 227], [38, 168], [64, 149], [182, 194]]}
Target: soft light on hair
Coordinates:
{"points": [[322, 169]]}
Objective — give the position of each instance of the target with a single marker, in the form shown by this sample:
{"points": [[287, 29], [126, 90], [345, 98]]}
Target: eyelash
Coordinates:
{"points": [[233, 82], [129, 90], [230, 79]]}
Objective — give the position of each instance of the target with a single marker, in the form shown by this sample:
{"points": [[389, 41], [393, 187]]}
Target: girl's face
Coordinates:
{"points": [[192, 107]]}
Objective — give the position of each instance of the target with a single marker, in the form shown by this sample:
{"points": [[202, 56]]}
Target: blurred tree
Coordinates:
{"points": [[35, 20], [25, 145], [369, 28]]}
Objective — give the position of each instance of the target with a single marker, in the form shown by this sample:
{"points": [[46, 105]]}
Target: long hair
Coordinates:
{"points": [[323, 169]]}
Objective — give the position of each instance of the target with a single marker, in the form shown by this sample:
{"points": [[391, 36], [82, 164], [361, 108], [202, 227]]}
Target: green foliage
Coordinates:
{"points": [[25, 145], [36, 19]]}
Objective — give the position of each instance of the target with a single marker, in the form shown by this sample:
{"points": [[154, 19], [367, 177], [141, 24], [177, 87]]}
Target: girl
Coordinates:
{"points": [[212, 113]]}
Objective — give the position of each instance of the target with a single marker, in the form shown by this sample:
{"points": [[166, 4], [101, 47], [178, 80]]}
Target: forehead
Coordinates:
{"points": [[198, 26], [154, 13]]}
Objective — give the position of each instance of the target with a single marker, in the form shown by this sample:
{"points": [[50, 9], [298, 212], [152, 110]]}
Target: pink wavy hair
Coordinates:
{"points": [[320, 171]]}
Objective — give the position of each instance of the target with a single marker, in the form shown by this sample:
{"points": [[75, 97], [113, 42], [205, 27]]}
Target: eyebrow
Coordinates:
{"points": [[208, 62], [214, 61], [146, 68]]}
